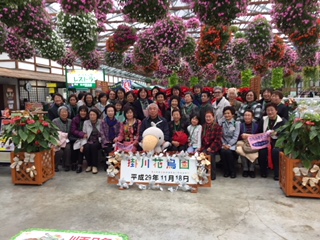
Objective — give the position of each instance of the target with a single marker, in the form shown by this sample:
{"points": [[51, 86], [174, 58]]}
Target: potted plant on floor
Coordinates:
{"points": [[300, 160], [33, 136]]}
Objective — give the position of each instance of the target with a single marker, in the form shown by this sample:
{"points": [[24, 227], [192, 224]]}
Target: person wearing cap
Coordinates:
{"points": [[189, 109], [90, 144], [64, 152], [220, 103]]}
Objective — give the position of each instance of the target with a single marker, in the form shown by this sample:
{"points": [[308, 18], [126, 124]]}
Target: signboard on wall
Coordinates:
{"points": [[82, 79]]}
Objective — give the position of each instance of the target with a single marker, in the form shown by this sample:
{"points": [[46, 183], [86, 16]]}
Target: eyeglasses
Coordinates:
{"points": [[217, 92]]}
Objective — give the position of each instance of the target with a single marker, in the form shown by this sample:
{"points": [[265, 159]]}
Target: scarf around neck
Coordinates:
{"points": [[111, 124]]}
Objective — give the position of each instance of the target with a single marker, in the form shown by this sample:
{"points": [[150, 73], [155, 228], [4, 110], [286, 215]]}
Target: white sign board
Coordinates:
{"points": [[160, 169], [84, 78]]}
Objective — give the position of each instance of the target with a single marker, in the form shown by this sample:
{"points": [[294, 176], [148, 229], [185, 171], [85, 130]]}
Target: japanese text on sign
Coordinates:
{"points": [[161, 169]]}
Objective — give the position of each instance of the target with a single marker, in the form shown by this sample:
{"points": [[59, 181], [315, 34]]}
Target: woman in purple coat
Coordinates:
{"points": [[76, 133]]}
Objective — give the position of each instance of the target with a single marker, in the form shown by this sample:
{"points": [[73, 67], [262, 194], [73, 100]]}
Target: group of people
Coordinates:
{"points": [[194, 122]]}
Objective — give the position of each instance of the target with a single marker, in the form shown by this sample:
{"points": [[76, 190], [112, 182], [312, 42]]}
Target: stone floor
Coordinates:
{"points": [[240, 208]]}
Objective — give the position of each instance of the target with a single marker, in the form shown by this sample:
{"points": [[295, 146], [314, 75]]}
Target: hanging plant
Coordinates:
{"points": [[19, 12], [53, 47], [141, 58], [105, 6], [184, 73], [110, 44], [77, 6], [289, 59], [169, 58], [219, 12], [277, 78], [295, 16], [239, 48], [93, 62], [306, 53], [194, 81], [215, 38], [124, 37], [189, 48], [145, 11], [154, 66], [233, 76], [113, 59], [209, 72], [81, 30], [173, 80], [69, 59], [259, 35], [277, 50], [193, 64], [18, 48], [309, 38], [128, 62], [193, 23], [162, 73], [224, 60], [38, 26], [170, 32], [246, 77], [146, 42], [260, 64], [3, 36]]}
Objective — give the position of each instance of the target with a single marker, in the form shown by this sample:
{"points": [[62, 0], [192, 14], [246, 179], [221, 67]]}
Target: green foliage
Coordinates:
{"points": [[300, 139], [277, 78], [239, 35], [31, 134], [173, 80], [246, 77], [194, 81], [234, 29]]}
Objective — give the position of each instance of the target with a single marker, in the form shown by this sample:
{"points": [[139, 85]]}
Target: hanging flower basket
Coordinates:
{"points": [[170, 32], [69, 59], [141, 58], [145, 11], [219, 12], [53, 47], [38, 27], [215, 38], [291, 16], [304, 39], [114, 59], [18, 48], [77, 6], [92, 62], [17, 13], [169, 58], [189, 48], [259, 35], [193, 23], [81, 30], [124, 37], [105, 6], [110, 44], [277, 50], [128, 62], [154, 66], [239, 48]]}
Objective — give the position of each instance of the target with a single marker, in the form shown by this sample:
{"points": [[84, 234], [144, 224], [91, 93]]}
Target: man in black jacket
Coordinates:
{"points": [[160, 122]]}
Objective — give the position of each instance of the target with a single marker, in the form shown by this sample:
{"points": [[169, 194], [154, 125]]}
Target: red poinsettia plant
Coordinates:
{"points": [[31, 133]]}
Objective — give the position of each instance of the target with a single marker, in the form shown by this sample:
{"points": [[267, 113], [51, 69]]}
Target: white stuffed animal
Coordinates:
{"points": [[153, 139]]}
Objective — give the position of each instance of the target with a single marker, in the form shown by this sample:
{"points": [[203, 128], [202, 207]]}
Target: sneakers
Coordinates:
{"points": [[88, 169], [94, 170]]}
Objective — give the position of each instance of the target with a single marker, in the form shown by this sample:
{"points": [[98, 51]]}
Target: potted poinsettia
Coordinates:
{"points": [[300, 141], [33, 137]]}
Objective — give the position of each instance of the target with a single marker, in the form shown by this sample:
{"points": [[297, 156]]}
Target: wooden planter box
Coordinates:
{"points": [[291, 184], [44, 164]]}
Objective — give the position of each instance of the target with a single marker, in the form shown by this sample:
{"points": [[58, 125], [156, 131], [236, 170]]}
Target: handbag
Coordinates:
{"points": [[77, 144], [247, 148]]}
